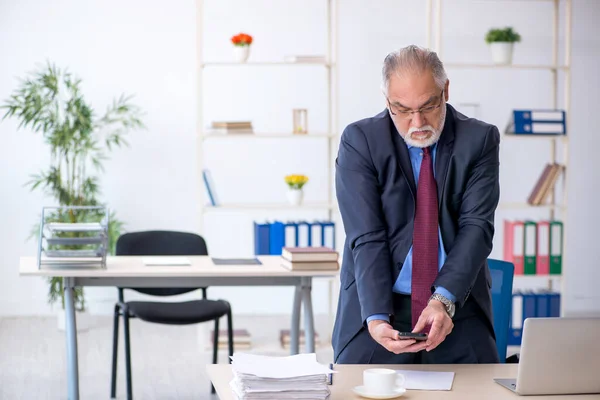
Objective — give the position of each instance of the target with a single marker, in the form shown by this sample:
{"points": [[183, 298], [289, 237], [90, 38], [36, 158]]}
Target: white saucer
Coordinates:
{"points": [[361, 391]]}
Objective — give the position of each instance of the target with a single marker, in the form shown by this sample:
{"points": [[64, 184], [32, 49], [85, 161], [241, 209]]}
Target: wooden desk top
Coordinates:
{"points": [[474, 382], [201, 266]]}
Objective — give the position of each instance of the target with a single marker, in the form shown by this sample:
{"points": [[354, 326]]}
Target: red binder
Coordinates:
{"points": [[514, 238]]}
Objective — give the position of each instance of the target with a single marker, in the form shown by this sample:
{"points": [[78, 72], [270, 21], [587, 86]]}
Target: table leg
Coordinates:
{"points": [[309, 322], [295, 328], [71, 334]]}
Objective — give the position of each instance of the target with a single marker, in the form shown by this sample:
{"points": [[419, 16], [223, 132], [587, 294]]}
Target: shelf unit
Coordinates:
{"points": [[332, 76], [330, 134], [434, 40]]}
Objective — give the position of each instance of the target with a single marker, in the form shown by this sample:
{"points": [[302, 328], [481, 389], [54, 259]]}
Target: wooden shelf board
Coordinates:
{"points": [[265, 135], [267, 206]]}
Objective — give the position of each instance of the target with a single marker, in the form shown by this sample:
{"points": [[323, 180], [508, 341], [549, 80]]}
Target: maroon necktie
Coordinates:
{"points": [[425, 238]]}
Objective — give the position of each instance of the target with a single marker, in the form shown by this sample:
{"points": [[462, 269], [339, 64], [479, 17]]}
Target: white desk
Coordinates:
{"points": [[129, 271], [471, 382]]}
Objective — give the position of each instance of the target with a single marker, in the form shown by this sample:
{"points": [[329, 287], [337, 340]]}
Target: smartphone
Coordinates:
{"points": [[410, 335]]}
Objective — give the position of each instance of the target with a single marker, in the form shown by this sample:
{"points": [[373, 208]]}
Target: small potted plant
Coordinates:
{"points": [[501, 41], [295, 184], [241, 46]]}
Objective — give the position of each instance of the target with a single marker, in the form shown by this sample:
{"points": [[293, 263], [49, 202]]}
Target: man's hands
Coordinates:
{"points": [[385, 335], [434, 314], [441, 324]]}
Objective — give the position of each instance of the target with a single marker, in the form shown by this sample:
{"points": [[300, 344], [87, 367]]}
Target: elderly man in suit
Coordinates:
{"points": [[417, 187]]}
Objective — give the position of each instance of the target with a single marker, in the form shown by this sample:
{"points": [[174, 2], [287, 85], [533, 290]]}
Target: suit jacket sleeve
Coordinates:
{"points": [[358, 194], [473, 242]]}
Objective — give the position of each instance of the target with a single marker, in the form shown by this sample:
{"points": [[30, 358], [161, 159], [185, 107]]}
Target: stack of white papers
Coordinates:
{"points": [[292, 377]]}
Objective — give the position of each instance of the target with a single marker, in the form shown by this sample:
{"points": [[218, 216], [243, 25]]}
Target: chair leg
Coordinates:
{"points": [[113, 381], [230, 334], [127, 354], [216, 342], [215, 350]]}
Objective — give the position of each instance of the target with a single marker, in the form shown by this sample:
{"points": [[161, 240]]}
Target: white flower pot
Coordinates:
{"points": [[82, 320], [502, 52], [241, 53], [295, 196]]}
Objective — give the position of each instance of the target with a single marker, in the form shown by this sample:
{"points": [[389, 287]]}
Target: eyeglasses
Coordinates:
{"points": [[408, 114]]}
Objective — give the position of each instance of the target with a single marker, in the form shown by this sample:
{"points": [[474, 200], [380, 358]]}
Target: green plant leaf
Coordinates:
{"points": [[49, 100], [502, 35]]}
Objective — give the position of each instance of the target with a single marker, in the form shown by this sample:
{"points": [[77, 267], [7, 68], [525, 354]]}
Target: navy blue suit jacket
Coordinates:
{"points": [[376, 190]]}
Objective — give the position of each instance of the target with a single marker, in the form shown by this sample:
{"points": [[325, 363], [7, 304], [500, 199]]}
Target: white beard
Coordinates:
{"points": [[435, 132]]}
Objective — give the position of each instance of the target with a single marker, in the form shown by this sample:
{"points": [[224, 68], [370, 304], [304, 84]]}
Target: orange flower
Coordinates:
{"points": [[242, 39]]}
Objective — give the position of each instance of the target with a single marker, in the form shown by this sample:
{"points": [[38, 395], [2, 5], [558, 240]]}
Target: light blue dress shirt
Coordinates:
{"points": [[403, 283]]}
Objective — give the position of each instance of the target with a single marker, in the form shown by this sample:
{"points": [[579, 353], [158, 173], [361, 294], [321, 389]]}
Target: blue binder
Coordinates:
{"points": [[327, 234], [304, 234], [515, 325], [276, 238], [554, 303], [542, 304], [270, 238], [541, 122], [261, 238]]}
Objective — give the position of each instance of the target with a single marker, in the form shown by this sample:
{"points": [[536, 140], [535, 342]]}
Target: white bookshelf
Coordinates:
{"points": [[558, 201], [323, 139], [204, 134]]}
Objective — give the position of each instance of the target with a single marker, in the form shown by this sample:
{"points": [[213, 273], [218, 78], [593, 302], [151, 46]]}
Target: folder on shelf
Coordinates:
{"points": [[210, 187], [542, 265], [291, 234], [529, 247], [271, 238], [316, 235], [516, 320], [538, 122], [554, 304], [556, 246], [276, 237], [542, 305], [261, 238], [514, 244], [327, 234], [304, 234]]}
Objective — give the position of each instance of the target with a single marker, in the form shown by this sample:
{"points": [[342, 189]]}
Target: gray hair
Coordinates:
{"points": [[414, 59]]}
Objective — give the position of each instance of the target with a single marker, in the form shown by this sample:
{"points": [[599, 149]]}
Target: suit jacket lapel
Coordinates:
{"points": [[403, 158], [444, 150]]}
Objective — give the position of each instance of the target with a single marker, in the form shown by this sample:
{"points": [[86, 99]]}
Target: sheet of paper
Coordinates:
{"points": [[300, 365], [427, 380], [165, 260]]}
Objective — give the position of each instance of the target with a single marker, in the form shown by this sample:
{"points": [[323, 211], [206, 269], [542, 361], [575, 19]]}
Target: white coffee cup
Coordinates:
{"points": [[382, 380]]}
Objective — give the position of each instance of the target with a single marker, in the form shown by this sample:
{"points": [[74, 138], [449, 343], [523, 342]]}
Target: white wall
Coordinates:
{"points": [[148, 48]]}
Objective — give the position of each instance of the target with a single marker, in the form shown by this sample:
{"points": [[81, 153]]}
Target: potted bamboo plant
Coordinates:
{"points": [[50, 101]]}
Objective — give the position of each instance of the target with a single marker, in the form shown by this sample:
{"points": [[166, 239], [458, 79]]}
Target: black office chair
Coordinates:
{"points": [[165, 243]]}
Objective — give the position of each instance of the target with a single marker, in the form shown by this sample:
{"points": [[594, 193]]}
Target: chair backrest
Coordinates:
{"points": [[161, 243], [502, 273]]}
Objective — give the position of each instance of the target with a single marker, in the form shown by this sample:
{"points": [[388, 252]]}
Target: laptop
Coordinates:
{"points": [[558, 356]]}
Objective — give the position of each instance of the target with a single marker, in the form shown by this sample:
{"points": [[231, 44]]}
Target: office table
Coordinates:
{"points": [[471, 382], [130, 271]]}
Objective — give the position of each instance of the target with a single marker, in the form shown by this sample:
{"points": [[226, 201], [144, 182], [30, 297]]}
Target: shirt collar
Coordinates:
{"points": [[432, 146]]}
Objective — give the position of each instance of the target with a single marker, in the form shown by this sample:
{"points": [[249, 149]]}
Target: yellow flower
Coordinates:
{"points": [[296, 181]]}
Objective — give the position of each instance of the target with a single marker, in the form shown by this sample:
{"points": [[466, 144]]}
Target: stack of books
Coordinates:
{"points": [[545, 184], [310, 258], [293, 377], [232, 127], [241, 339], [284, 338]]}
